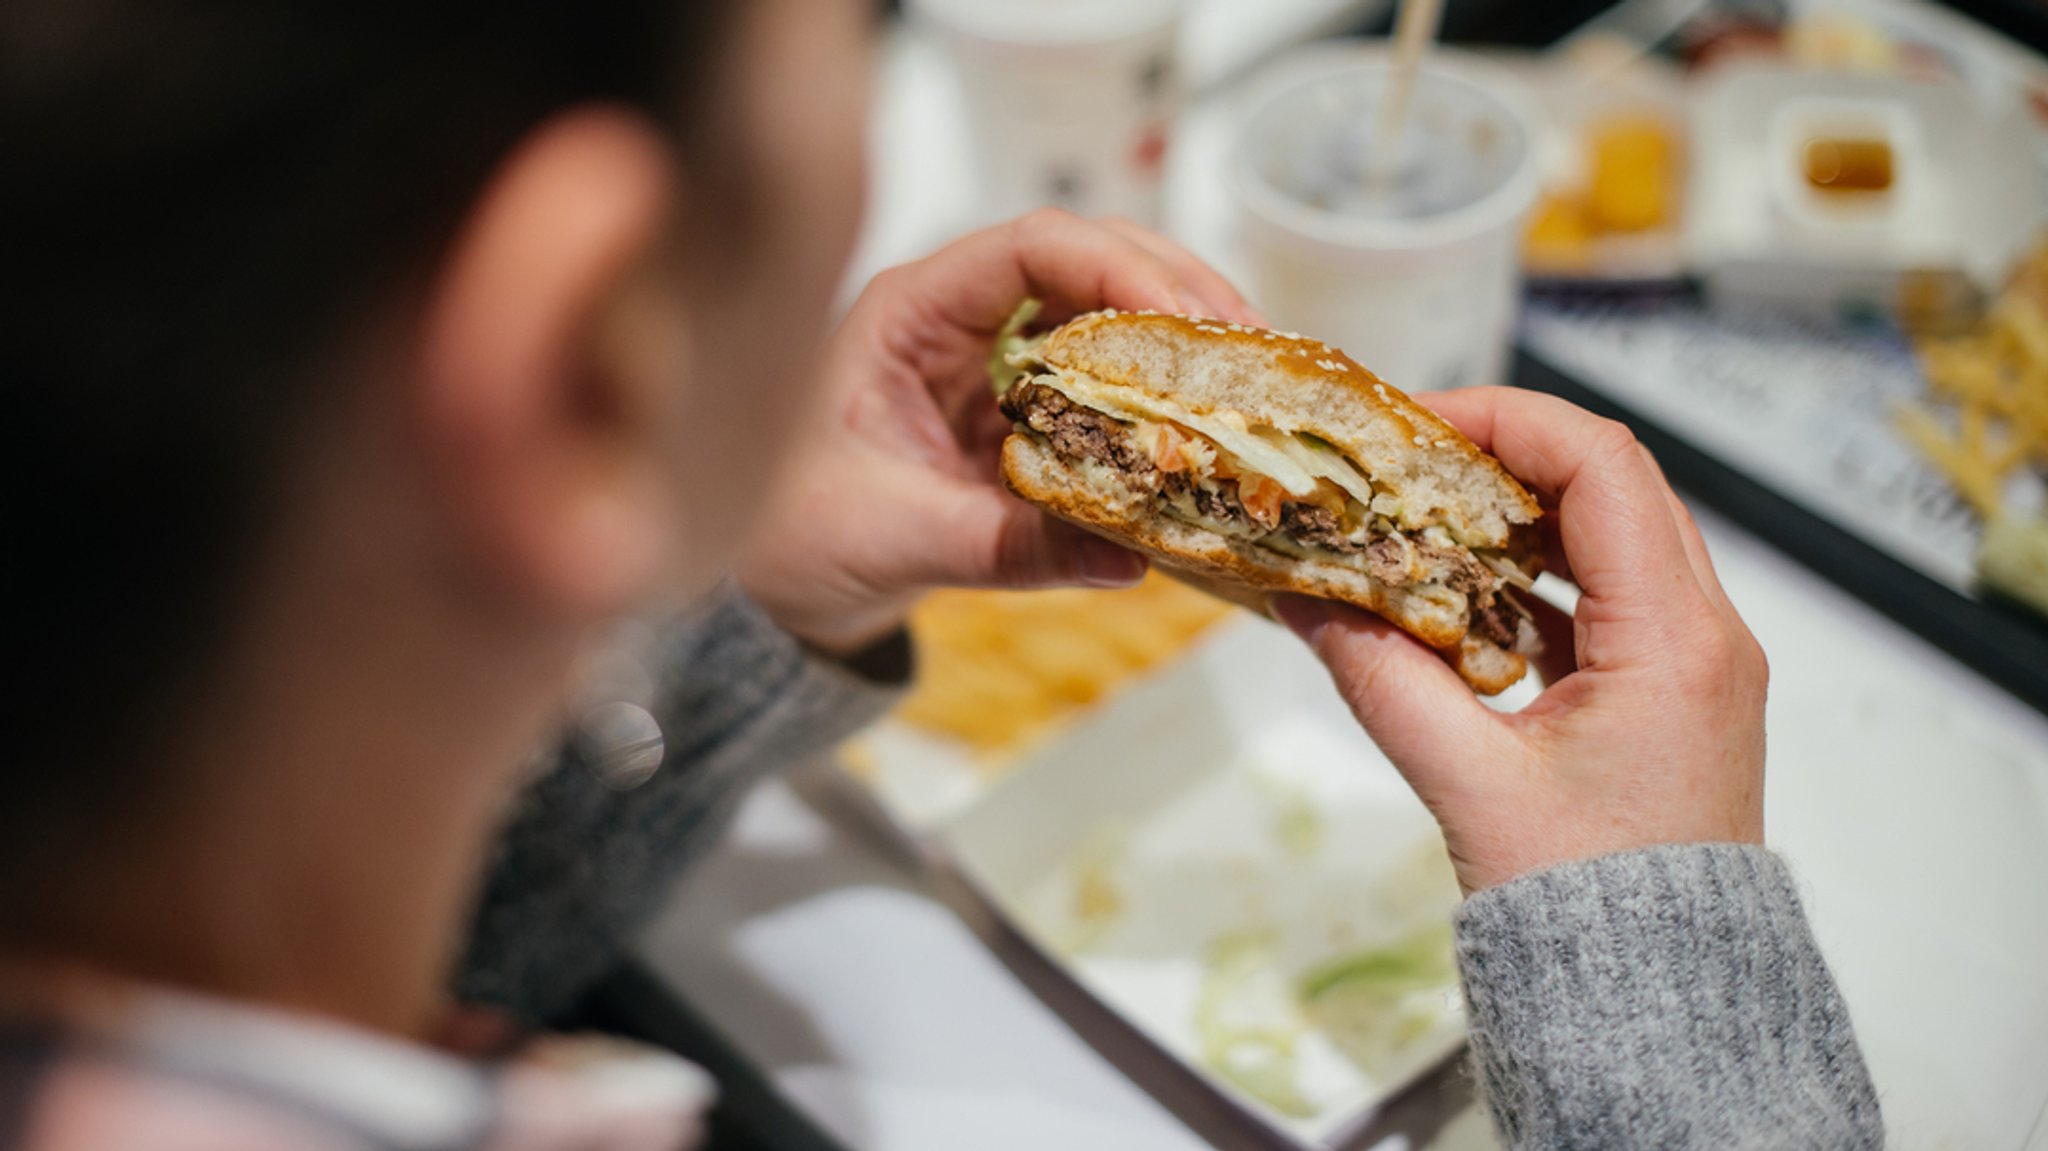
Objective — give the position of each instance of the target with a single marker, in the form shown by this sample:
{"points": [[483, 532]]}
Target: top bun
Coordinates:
{"points": [[1284, 381]]}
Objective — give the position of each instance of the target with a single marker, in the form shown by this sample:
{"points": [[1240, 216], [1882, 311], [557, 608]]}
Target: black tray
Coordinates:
{"points": [[2003, 641]]}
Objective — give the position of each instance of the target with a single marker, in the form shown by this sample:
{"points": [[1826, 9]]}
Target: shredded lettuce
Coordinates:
{"points": [[1012, 346], [1248, 1024], [1504, 568], [1420, 961], [1319, 458], [1376, 1003]]}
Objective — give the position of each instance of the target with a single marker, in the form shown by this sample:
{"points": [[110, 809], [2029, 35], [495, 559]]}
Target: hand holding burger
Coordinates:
{"points": [[1650, 730], [898, 492]]}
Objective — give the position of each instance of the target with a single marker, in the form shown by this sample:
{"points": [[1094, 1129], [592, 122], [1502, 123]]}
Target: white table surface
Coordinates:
{"points": [[1910, 796]]}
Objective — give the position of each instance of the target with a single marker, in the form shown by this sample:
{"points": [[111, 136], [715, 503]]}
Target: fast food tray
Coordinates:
{"points": [[2004, 642]]}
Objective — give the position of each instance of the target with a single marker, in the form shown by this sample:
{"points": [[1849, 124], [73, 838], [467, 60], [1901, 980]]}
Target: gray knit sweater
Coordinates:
{"points": [[1672, 997], [583, 866]]}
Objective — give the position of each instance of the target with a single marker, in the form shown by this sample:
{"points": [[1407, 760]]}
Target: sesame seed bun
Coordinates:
{"points": [[1285, 381]]}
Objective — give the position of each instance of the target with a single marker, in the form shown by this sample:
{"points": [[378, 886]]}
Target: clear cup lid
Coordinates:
{"points": [[1310, 159]]}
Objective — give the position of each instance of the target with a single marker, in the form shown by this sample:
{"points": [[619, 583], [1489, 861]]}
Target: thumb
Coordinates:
{"points": [[1414, 706], [985, 537]]}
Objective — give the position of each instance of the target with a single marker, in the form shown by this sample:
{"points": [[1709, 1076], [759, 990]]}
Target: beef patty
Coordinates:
{"points": [[1390, 556]]}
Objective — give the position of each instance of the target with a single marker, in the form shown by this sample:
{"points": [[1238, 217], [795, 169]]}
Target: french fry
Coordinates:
{"points": [[1996, 378], [2019, 322], [1973, 479]]}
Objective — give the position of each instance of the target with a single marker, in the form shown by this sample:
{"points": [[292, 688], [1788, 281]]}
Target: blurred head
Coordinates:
{"points": [[373, 343]]}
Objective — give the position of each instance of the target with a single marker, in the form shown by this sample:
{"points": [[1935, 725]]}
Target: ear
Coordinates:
{"points": [[535, 422]]}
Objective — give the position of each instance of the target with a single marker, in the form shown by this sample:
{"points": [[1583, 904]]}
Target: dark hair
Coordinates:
{"points": [[201, 199]]}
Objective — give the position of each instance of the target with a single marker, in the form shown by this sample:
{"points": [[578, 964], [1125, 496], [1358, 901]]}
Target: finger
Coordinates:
{"points": [[981, 434], [1613, 515], [1071, 263], [986, 537], [1695, 544], [1222, 297], [1413, 705], [1458, 408]]}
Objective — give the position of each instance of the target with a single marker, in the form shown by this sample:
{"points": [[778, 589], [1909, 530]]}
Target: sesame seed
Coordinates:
{"points": [[1421, 441]]}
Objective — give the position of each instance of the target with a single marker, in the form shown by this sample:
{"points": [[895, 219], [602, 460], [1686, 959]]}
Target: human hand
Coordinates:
{"points": [[1650, 729], [901, 493]]}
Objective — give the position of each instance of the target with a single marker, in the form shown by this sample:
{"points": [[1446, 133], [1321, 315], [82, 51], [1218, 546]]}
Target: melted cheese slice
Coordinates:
{"points": [[1288, 460]]}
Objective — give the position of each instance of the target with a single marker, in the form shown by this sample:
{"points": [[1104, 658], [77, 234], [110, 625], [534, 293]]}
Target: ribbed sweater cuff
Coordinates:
{"points": [[1668, 997]]}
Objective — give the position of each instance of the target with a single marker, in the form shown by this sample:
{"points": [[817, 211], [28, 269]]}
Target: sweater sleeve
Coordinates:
{"points": [[1668, 997], [587, 857]]}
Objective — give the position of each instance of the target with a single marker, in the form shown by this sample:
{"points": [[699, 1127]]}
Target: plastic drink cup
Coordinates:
{"points": [[1068, 101], [1410, 267]]}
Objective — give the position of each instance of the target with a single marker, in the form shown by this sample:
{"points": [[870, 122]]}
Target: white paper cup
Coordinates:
{"points": [[1416, 277], [1068, 101]]}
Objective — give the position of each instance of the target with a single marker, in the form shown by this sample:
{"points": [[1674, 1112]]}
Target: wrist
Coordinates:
{"points": [[846, 635], [1510, 859]]}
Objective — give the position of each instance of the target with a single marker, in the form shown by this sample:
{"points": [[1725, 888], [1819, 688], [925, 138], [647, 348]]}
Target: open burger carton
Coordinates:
{"points": [[1221, 858], [1225, 858]]}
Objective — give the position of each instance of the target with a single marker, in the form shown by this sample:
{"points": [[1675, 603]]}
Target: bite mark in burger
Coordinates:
{"points": [[1259, 461]]}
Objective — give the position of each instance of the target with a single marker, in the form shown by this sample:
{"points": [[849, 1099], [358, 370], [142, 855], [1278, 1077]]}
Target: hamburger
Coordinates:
{"points": [[1252, 462]]}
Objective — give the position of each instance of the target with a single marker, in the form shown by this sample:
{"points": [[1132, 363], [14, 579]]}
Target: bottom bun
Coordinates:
{"points": [[1238, 570]]}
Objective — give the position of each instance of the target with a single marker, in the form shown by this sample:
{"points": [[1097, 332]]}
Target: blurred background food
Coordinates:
{"points": [[1846, 312], [1630, 187], [1615, 165]]}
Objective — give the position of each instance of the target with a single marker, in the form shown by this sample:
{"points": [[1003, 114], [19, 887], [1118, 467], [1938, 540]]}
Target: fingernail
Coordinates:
{"points": [[1301, 615], [1104, 564]]}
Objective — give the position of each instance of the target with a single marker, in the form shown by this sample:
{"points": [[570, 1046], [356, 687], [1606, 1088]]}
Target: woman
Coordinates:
{"points": [[378, 360]]}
